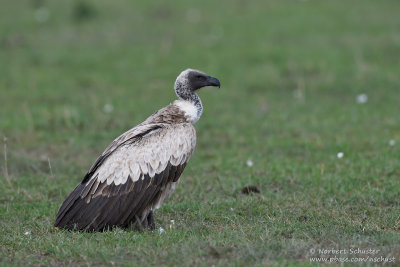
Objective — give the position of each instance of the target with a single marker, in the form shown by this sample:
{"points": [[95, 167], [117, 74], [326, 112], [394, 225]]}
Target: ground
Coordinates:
{"points": [[308, 112]]}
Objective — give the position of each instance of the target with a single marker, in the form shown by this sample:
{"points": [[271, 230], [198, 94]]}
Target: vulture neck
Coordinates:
{"points": [[190, 103]]}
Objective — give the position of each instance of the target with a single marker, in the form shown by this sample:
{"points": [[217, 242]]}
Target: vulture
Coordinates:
{"points": [[140, 169]]}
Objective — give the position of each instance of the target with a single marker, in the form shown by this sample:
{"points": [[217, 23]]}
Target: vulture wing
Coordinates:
{"points": [[133, 176]]}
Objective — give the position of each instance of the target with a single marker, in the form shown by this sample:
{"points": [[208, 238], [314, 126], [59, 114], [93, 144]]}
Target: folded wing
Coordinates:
{"points": [[133, 176]]}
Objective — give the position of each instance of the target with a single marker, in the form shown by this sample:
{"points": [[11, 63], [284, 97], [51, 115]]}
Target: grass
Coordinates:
{"points": [[290, 75]]}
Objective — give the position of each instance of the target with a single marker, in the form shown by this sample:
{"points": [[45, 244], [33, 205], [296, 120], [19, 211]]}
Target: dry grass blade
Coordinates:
{"points": [[51, 170], [5, 163]]}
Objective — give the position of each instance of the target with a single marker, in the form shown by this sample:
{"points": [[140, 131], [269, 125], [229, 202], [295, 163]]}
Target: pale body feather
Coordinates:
{"points": [[150, 154]]}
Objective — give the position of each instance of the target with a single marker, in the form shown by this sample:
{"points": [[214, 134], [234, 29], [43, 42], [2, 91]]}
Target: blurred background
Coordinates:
{"points": [[308, 108]]}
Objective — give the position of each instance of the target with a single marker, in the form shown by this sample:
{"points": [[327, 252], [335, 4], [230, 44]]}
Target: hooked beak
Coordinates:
{"points": [[212, 81]]}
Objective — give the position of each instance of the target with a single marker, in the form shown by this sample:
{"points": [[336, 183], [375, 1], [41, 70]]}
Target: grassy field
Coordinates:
{"points": [[75, 75]]}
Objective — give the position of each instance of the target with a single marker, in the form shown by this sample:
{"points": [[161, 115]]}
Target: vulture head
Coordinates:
{"points": [[191, 80]]}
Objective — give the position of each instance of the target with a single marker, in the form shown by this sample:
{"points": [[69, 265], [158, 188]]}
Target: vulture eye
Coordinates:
{"points": [[201, 78]]}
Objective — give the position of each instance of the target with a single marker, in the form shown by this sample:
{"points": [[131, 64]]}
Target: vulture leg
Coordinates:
{"points": [[150, 221], [136, 225], [140, 226], [145, 224]]}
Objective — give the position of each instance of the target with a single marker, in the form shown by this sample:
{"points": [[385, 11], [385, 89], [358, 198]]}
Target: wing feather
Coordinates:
{"points": [[129, 179]]}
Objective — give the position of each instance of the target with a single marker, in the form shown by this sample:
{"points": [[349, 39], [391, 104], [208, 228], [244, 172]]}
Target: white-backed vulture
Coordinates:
{"points": [[140, 169]]}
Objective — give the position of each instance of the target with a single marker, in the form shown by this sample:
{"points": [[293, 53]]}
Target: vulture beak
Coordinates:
{"points": [[212, 81]]}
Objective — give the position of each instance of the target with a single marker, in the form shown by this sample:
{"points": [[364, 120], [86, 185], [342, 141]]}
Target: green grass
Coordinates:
{"points": [[290, 73]]}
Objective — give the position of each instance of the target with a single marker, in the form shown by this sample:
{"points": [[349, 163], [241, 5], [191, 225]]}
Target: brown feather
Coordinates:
{"points": [[114, 205]]}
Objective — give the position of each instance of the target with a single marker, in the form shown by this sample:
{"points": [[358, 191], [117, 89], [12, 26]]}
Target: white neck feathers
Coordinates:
{"points": [[192, 112]]}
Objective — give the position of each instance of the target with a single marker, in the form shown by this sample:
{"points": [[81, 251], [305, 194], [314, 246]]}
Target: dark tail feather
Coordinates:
{"points": [[66, 206]]}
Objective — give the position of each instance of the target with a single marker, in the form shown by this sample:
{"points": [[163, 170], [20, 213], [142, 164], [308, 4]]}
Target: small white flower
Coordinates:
{"points": [[340, 155], [231, 209], [362, 99], [161, 230], [392, 142], [42, 14], [108, 108], [172, 221], [27, 233], [249, 163]]}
